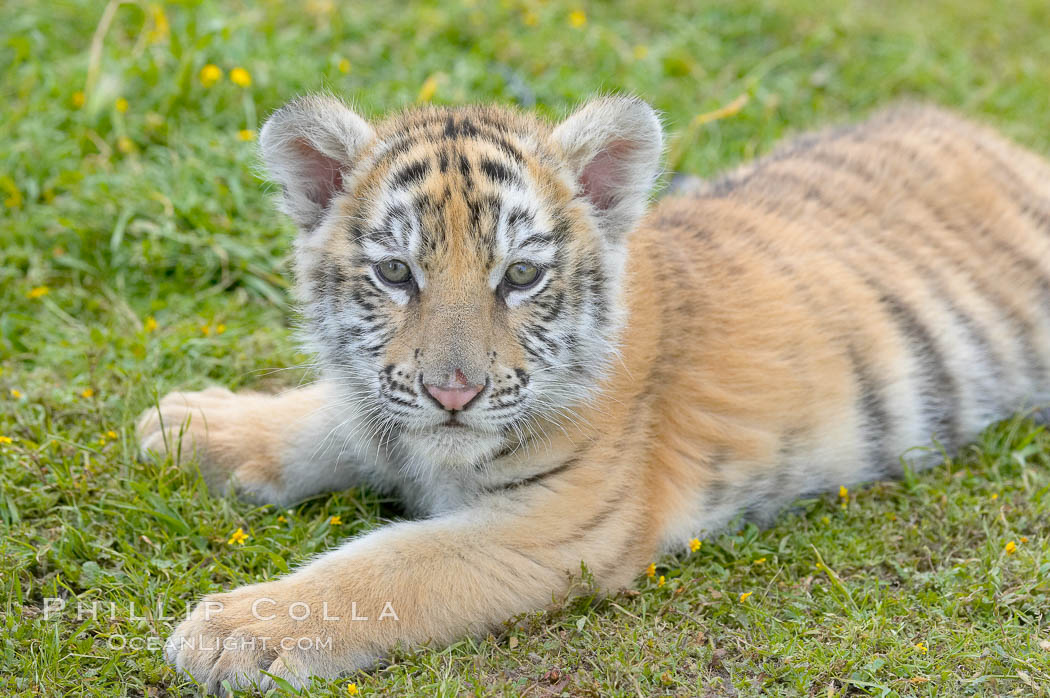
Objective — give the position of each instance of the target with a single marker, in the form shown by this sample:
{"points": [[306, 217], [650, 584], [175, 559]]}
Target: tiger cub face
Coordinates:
{"points": [[461, 269]]}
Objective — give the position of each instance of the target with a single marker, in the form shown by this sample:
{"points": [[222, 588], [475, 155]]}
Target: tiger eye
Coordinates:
{"points": [[522, 274], [393, 271]]}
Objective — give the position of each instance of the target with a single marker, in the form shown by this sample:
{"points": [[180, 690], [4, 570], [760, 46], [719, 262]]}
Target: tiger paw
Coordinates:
{"points": [[229, 435]]}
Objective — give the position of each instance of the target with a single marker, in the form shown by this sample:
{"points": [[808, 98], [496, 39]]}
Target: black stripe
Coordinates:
{"points": [[716, 488], [519, 216], [494, 120], [941, 394], [541, 333], [509, 150], [531, 351], [396, 149], [464, 128], [499, 173], [411, 174], [875, 415], [538, 239], [534, 479], [530, 558], [552, 306], [399, 401], [613, 506], [424, 204], [1039, 217]]}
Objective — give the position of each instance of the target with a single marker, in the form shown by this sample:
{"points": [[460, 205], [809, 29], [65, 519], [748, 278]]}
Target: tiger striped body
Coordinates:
{"points": [[554, 379], [847, 301]]}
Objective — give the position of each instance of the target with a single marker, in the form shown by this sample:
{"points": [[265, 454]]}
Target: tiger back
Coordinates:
{"points": [[861, 296]]}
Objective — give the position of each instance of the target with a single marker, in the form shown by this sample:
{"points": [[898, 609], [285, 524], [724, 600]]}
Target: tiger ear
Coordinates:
{"points": [[308, 147], [612, 146]]}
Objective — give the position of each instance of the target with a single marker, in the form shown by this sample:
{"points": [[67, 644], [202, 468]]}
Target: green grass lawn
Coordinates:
{"points": [[140, 253]]}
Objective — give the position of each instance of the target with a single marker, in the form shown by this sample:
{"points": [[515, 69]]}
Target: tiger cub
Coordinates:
{"points": [[550, 376]]}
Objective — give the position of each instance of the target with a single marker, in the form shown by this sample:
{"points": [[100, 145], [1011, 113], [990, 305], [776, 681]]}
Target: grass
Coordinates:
{"points": [[140, 253]]}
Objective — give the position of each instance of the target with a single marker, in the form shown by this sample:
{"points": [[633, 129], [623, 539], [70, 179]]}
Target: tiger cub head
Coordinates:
{"points": [[460, 269]]}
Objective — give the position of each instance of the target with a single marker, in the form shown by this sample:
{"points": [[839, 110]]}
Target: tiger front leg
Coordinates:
{"points": [[274, 449], [409, 584]]}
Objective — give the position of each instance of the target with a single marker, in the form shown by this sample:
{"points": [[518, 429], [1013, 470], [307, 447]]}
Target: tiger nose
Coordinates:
{"points": [[455, 395]]}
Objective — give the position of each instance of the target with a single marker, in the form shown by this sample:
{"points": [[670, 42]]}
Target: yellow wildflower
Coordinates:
{"points": [[661, 581], [79, 99], [650, 571], [343, 65], [87, 393], [281, 519], [921, 648], [121, 105], [241, 77], [161, 29], [695, 544], [14, 196], [640, 52], [246, 134], [577, 18], [743, 597], [351, 689], [219, 329], [112, 434], [6, 440], [151, 324], [16, 394], [238, 537], [210, 74], [1010, 548], [426, 92], [335, 520], [843, 492], [38, 292], [1024, 539], [995, 495], [760, 561], [205, 330]]}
